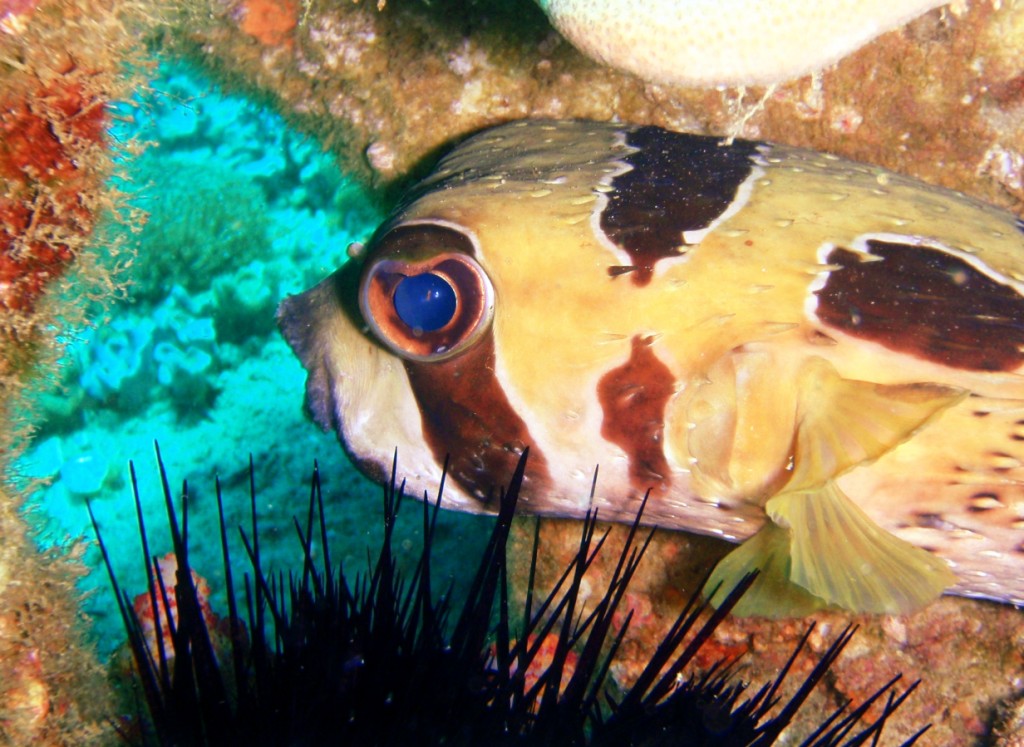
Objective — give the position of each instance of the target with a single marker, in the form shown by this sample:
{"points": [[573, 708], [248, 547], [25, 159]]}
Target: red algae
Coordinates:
{"points": [[271, 22], [47, 207]]}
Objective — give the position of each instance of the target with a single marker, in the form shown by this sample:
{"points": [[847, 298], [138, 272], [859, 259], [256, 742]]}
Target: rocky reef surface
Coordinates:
{"points": [[60, 67]]}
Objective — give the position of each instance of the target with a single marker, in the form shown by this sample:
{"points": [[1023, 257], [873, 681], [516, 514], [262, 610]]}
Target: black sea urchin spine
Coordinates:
{"points": [[374, 663]]}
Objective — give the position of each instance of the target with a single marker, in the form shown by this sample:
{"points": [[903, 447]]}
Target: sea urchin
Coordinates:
{"points": [[318, 658]]}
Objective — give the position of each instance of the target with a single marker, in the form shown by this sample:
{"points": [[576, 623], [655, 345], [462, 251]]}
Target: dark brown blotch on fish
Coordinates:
{"points": [[925, 302], [677, 183], [633, 397], [467, 417]]}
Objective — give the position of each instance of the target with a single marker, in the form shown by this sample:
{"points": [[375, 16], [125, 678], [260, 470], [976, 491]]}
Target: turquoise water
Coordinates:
{"points": [[241, 211]]}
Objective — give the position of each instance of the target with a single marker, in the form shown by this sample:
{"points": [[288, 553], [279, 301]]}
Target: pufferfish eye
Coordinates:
{"points": [[425, 302], [423, 294]]}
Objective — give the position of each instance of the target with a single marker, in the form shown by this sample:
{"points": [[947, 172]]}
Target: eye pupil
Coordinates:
{"points": [[425, 302]]}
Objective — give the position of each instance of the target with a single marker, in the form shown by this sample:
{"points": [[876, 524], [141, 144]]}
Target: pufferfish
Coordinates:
{"points": [[815, 358]]}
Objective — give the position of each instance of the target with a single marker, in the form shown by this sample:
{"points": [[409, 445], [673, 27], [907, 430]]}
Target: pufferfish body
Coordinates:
{"points": [[816, 358]]}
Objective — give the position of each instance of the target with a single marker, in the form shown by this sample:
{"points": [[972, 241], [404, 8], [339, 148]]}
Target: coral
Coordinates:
{"points": [[85, 473], [1009, 731], [546, 650], [184, 355], [52, 692], [171, 355], [46, 212], [15, 14], [59, 410], [185, 373], [310, 218], [730, 42], [115, 371], [244, 302], [385, 89], [25, 701], [269, 21], [204, 219], [227, 190]]}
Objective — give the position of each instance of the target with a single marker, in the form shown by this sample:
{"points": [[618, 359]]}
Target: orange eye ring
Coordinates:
{"points": [[429, 307]]}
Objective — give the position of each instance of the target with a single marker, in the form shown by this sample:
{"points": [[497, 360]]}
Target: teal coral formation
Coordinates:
{"points": [[225, 184], [129, 363], [204, 219]]}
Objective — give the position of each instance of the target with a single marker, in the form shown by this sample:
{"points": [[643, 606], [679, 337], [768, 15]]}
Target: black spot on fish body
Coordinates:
{"points": [[633, 398], [677, 183], [924, 301], [468, 419]]}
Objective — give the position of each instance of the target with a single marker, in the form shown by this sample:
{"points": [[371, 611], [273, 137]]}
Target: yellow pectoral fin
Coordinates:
{"points": [[819, 549], [741, 420], [772, 594], [841, 556], [843, 422]]}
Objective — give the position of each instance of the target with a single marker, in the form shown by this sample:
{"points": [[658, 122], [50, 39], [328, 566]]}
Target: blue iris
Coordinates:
{"points": [[425, 302]]}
